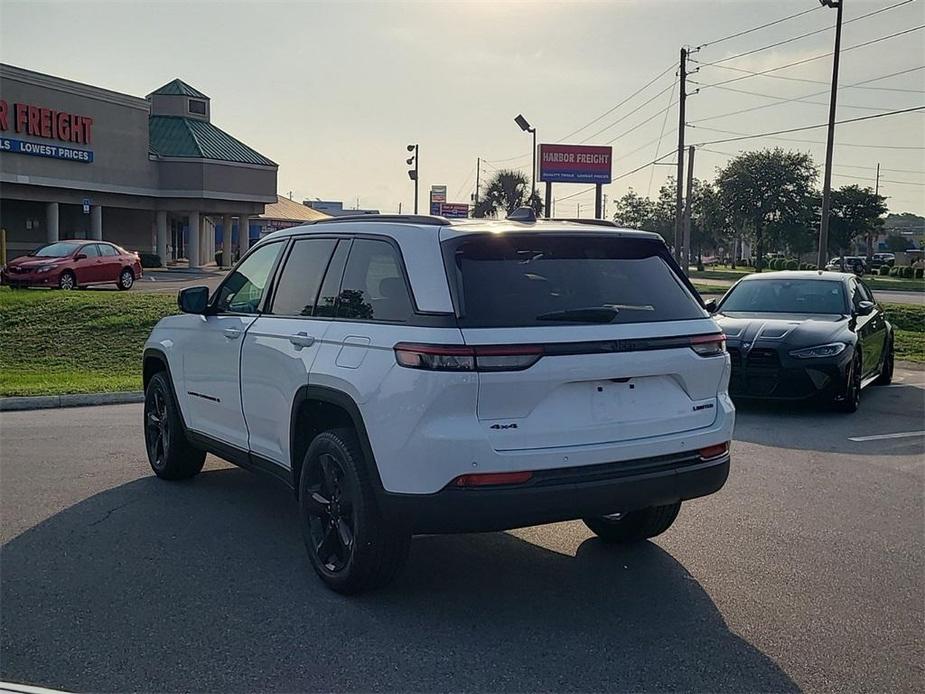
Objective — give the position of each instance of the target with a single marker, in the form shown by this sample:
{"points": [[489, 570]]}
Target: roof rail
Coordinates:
{"points": [[431, 220], [588, 221]]}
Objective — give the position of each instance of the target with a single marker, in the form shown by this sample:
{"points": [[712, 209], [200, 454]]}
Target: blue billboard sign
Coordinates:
{"points": [[37, 149]]}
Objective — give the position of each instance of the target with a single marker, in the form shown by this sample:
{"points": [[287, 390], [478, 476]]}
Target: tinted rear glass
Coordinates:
{"points": [[513, 281]]}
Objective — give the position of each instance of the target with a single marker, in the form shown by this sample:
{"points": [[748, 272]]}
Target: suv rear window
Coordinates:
{"points": [[525, 280]]}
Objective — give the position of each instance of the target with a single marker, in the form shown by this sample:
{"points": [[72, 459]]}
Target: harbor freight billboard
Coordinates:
{"points": [[575, 163], [457, 210]]}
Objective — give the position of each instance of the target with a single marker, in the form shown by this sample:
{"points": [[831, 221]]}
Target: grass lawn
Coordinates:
{"points": [[707, 288], [872, 281], [55, 342]]}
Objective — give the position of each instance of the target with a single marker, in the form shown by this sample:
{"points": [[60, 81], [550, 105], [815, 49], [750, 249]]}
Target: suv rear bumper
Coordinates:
{"points": [[561, 494]]}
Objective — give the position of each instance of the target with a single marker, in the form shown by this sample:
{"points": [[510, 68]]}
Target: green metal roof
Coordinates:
{"points": [[175, 136], [179, 88]]}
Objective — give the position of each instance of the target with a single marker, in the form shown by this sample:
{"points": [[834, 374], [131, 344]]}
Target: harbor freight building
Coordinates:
{"points": [[152, 175]]}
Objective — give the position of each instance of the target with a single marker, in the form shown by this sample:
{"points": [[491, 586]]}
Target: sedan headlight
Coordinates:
{"points": [[829, 350], [46, 268]]}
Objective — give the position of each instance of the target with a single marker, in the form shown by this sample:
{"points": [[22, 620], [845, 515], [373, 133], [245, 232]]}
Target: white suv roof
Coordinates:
{"points": [[446, 228]]}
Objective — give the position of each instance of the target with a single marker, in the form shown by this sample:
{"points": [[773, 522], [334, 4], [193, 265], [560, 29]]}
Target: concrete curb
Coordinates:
{"points": [[44, 402]]}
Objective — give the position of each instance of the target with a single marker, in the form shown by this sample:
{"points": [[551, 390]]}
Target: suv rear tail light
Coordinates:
{"points": [[711, 452], [492, 478], [709, 345], [465, 358]]}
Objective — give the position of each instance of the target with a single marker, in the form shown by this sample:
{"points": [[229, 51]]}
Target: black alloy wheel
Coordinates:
{"points": [[157, 427], [852, 398], [886, 369], [171, 455], [331, 513]]}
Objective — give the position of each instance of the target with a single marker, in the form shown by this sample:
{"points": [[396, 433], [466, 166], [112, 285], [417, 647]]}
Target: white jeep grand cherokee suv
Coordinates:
{"points": [[411, 374]]}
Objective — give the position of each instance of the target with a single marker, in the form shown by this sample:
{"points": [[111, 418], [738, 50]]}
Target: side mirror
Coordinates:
{"points": [[193, 300], [80, 256], [865, 308], [710, 305]]}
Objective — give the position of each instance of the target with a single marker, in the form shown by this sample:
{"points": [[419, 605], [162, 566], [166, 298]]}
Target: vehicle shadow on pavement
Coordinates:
{"points": [[205, 586], [817, 427]]}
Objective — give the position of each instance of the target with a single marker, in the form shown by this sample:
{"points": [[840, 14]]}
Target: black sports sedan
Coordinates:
{"points": [[801, 335]]}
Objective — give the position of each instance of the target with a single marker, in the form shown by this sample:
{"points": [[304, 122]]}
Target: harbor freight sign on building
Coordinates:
{"points": [[40, 149], [575, 163]]}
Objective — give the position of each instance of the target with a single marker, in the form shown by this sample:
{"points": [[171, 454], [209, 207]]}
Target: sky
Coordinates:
{"points": [[334, 91]]}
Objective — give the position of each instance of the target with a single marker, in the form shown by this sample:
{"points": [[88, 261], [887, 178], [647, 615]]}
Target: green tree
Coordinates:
{"points": [[770, 190], [634, 211], [856, 213], [504, 193]]}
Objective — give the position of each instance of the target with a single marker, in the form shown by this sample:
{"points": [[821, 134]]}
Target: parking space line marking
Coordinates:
{"points": [[878, 437]]}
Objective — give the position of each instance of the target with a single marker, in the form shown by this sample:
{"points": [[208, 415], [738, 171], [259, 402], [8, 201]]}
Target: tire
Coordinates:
{"points": [[171, 455], [126, 279], [67, 281], [634, 526], [886, 368], [852, 398], [352, 547]]}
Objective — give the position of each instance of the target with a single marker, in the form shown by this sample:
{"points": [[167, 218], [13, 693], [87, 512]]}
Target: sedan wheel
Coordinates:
{"points": [[67, 281], [852, 398], [886, 370], [126, 279]]}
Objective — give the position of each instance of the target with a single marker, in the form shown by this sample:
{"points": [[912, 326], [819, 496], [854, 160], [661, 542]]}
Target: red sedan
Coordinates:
{"points": [[72, 264]]}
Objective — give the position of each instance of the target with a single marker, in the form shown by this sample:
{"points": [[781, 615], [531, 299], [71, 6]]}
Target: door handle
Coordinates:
{"points": [[232, 333], [300, 340]]}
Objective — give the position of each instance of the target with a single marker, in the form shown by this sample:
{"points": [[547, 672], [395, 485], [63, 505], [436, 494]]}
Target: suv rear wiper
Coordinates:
{"points": [[592, 314]]}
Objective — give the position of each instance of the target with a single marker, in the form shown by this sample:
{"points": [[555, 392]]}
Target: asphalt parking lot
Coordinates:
{"points": [[807, 571]]}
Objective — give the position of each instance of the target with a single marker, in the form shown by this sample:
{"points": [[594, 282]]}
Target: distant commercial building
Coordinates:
{"points": [[335, 209], [285, 213], [152, 174]]}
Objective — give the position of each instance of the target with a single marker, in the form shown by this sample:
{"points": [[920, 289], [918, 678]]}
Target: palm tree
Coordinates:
{"points": [[504, 193]]}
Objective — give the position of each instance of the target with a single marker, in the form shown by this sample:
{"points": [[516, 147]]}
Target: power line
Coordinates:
{"points": [[782, 100], [762, 26], [803, 36], [659, 145], [811, 142], [617, 178], [749, 74], [623, 118], [882, 180], [811, 127], [640, 124], [614, 108]]}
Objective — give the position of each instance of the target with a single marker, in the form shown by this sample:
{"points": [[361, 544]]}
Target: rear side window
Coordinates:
{"points": [[525, 280], [300, 280], [91, 250], [374, 286], [106, 249]]}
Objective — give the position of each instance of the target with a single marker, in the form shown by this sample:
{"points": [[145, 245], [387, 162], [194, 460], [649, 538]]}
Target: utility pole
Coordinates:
{"points": [[548, 204], [578, 213], [870, 236], [598, 206], [605, 206], [679, 194], [688, 204], [830, 140], [478, 170]]}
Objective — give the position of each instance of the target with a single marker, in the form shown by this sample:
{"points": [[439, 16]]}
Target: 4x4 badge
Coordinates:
{"points": [[504, 426]]}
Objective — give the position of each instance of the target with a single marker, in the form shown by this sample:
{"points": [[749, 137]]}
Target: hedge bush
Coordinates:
{"points": [[919, 273], [884, 270], [894, 271], [149, 259], [792, 265]]}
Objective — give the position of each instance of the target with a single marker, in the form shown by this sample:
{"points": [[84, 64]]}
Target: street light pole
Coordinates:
{"points": [[413, 173], [830, 141], [525, 126]]}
